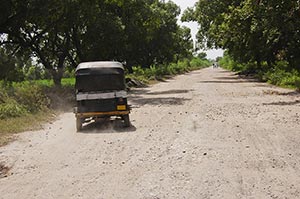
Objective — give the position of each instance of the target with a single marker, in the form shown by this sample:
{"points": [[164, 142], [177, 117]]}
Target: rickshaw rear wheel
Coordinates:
{"points": [[78, 124], [126, 120]]}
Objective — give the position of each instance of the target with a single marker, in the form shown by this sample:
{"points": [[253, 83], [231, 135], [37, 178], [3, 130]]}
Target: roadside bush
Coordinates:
{"points": [[181, 67], [281, 75], [150, 73], [172, 69], [197, 63], [227, 62], [175, 69], [138, 71], [158, 72], [17, 99], [10, 108], [31, 96], [275, 77]]}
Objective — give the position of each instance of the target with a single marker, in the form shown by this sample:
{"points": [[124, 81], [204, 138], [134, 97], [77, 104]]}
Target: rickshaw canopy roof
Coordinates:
{"points": [[96, 66]]}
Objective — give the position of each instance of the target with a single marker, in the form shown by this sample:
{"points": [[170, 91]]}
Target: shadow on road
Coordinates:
{"points": [[159, 101], [228, 82], [283, 103], [169, 92], [275, 92], [225, 71], [138, 97], [147, 92], [292, 93], [227, 78]]}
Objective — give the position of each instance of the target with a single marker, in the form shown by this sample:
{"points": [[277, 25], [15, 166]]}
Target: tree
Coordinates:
{"points": [[41, 29], [184, 45], [202, 55], [152, 33], [256, 31], [11, 66], [61, 33]]}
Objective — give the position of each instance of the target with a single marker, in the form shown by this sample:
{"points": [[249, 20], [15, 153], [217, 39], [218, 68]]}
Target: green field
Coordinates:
{"points": [[50, 83]]}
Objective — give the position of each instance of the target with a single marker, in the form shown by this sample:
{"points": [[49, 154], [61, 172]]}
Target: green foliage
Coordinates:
{"points": [[281, 77], [228, 63], [33, 72], [259, 32], [65, 82], [10, 108], [162, 71], [70, 73], [178, 68], [60, 34], [31, 96], [11, 66], [199, 63], [21, 98], [202, 55], [68, 82]]}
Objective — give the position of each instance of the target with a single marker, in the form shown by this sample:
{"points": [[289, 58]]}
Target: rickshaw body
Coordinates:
{"points": [[100, 92]]}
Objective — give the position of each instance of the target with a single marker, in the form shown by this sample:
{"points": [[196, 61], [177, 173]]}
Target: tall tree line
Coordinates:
{"points": [[62, 33], [251, 30]]}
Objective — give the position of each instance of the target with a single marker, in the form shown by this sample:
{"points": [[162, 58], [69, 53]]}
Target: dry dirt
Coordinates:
{"points": [[206, 134]]}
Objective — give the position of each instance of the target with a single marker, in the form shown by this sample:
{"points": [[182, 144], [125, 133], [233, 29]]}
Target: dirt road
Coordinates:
{"points": [[206, 134]]}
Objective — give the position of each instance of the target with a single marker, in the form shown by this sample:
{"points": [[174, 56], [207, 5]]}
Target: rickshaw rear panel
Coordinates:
{"points": [[100, 92]]}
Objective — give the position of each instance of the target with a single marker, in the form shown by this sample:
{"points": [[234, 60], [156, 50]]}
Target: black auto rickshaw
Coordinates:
{"points": [[100, 92]]}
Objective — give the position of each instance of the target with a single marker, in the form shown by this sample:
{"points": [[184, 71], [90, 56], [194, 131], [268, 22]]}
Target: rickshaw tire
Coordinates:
{"points": [[78, 124], [126, 120]]}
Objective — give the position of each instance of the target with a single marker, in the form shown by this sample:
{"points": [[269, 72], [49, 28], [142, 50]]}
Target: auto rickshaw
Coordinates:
{"points": [[100, 92]]}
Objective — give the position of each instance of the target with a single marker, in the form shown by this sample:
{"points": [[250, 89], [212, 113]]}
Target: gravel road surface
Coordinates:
{"points": [[206, 134]]}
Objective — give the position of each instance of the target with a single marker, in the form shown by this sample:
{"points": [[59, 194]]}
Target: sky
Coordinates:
{"points": [[211, 54]]}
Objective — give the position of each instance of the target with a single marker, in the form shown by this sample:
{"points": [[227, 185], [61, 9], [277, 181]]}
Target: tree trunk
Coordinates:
{"points": [[57, 75]]}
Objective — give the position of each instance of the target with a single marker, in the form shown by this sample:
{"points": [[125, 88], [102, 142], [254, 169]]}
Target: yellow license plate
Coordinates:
{"points": [[121, 107]]}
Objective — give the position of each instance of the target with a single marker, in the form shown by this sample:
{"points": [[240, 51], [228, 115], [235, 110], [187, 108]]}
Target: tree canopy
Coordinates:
{"points": [[60, 33], [260, 30]]}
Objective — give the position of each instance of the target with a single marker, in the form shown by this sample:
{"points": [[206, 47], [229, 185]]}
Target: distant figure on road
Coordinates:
{"points": [[215, 65]]}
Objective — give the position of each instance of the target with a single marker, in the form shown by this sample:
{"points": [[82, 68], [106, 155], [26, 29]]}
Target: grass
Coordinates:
{"points": [[27, 122], [49, 83]]}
